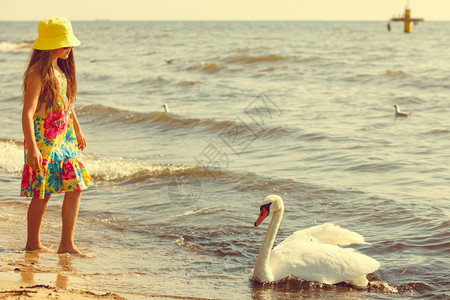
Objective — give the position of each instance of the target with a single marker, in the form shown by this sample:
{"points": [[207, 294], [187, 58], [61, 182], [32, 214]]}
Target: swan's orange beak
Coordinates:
{"points": [[262, 215]]}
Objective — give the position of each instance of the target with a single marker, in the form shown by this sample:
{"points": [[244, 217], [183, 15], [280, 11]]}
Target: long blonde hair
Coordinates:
{"points": [[41, 62]]}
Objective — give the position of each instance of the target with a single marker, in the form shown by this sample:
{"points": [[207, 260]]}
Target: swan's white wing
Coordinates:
{"points": [[327, 234], [319, 262]]}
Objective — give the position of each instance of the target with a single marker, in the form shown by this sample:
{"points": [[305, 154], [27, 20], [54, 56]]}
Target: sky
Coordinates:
{"points": [[32, 10]]}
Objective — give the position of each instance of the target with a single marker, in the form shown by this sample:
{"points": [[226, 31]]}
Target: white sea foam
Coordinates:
{"points": [[108, 168], [11, 156], [23, 46]]}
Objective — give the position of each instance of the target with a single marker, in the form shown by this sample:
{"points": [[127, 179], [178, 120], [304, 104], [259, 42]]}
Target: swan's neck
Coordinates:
{"points": [[262, 271]]}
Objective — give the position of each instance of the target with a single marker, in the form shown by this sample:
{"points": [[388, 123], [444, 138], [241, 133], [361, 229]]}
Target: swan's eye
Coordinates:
{"points": [[264, 207]]}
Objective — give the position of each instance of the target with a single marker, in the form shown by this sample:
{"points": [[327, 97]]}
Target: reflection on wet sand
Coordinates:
{"points": [[39, 275], [30, 267], [31, 259], [65, 262]]}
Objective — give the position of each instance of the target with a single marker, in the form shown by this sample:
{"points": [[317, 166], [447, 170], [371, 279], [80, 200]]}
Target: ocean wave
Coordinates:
{"points": [[109, 169], [159, 81], [209, 67], [109, 220], [247, 59], [152, 80], [373, 167], [188, 83], [439, 131], [313, 137], [95, 77], [309, 59], [11, 156], [398, 73], [359, 78], [408, 100], [105, 169], [5, 46], [292, 285], [168, 121], [239, 57]]}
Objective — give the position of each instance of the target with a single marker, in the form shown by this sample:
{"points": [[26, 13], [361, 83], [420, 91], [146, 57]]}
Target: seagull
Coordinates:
{"points": [[172, 112], [399, 114]]}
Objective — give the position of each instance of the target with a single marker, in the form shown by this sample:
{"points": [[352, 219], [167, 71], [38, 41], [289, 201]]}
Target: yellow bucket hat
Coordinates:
{"points": [[55, 33]]}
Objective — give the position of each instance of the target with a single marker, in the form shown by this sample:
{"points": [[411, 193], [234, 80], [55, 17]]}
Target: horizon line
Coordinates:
{"points": [[220, 20]]}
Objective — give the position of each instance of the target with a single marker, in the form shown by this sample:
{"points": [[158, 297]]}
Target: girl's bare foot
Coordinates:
{"points": [[70, 249], [39, 248]]}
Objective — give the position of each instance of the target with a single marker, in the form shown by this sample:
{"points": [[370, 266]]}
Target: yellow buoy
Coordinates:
{"points": [[407, 20]]}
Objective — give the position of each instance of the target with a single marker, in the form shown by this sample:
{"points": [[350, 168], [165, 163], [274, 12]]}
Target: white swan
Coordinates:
{"points": [[311, 254]]}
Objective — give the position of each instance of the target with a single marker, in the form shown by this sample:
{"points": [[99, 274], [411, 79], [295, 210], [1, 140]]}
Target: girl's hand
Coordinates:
{"points": [[81, 140], [34, 158]]}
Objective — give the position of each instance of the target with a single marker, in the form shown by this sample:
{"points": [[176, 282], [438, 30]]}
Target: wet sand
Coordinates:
{"points": [[17, 285]]}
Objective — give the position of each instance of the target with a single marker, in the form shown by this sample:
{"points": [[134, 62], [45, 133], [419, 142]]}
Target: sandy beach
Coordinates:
{"points": [[40, 275], [11, 288], [24, 283]]}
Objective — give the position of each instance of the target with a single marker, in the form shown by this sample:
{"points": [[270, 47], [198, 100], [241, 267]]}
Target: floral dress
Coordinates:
{"points": [[56, 140]]}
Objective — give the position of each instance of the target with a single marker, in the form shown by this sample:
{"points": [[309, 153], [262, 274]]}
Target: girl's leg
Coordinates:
{"points": [[35, 216], [69, 214]]}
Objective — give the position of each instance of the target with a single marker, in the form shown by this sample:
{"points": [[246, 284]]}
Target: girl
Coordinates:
{"points": [[52, 132]]}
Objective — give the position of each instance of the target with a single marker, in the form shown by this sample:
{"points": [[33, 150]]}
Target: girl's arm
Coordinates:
{"points": [[81, 139], [30, 101]]}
